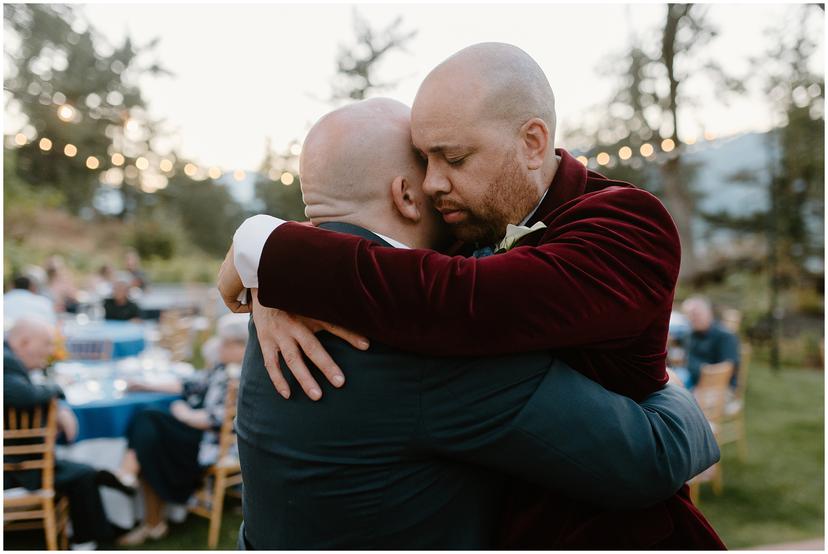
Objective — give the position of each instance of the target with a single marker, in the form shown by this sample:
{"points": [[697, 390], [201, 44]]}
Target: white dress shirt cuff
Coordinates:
{"points": [[248, 243]]}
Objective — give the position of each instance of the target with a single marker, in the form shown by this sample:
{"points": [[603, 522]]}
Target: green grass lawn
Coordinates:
{"points": [[775, 496]]}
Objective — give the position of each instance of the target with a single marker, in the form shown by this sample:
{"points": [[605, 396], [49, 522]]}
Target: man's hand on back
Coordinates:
{"points": [[291, 335]]}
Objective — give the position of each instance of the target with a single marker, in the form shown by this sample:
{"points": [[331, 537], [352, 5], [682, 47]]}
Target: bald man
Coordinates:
{"points": [[709, 342], [414, 454], [28, 345]]}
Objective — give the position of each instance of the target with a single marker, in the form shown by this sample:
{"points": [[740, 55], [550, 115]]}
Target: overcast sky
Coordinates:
{"points": [[245, 73]]}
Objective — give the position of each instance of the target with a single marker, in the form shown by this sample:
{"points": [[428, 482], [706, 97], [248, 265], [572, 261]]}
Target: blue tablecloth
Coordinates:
{"points": [[127, 338], [111, 416]]}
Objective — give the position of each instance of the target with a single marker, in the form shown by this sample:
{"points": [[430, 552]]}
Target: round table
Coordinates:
{"points": [[96, 392], [127, 338]]}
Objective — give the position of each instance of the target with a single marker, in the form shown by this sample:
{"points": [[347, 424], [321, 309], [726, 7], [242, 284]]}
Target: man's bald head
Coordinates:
{"points": [[32, 340], [352, 155], [497, 81], [485, 119], [699, 312]]}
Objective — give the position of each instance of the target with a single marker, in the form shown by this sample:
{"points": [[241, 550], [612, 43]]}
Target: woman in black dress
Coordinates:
{"points": [[168, 450]]}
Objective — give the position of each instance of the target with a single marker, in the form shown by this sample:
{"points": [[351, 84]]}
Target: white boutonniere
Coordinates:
{"points": [[514, 233]]}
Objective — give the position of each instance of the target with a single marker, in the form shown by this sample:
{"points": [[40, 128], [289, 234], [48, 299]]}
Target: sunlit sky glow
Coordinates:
{"points": [[246, 73]]}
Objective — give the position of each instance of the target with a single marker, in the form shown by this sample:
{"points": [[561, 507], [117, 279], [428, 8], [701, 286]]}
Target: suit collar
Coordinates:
{"points": [[569, 182], [351, 229]]}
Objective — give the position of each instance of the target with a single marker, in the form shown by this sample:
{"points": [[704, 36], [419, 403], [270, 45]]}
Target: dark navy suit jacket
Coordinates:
{"points": [[414, 451]]}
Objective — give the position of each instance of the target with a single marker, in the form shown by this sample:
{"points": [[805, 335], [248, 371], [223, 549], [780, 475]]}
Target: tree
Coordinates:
{"points": [[646, 105], [356, 65], [73, 92], [277, 184], [206, 211]]}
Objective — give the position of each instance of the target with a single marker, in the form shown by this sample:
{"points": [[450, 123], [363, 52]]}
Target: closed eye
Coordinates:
{"points": [[456, 161]]}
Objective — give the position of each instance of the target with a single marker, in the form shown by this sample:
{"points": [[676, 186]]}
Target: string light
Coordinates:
{"points": [[602, 158], [625, 152], [239, 175], [66, 113], [690, 141], [142, 163], [190, 170], [20, 139], [295, 149], [668, 145], [118, 159], [165, 165], [583, 159], [647, 149], [92, 162], [45, 144], [214, 173], [70, 150], [287, 178]]}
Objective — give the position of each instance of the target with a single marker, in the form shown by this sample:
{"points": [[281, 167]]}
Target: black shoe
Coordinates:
{"points": [[108, 479]]}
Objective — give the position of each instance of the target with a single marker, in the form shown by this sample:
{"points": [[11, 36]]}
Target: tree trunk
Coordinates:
{"points": [[677, 194]]}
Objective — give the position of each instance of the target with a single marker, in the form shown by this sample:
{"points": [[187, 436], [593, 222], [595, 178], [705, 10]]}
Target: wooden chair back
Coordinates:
{"points": [[176, 334], [224, 474], [732, 320], [89, 349], [29, 437], [711, 392], [742, 376], [227, 434]]}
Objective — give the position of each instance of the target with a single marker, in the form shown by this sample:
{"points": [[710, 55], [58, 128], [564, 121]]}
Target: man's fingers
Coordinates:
{"points": [[294, 361], [271, 361], [319, 356], [354, 339]]}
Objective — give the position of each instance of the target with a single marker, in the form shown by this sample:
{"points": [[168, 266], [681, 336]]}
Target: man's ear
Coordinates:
{"points": [[536, 142], [405, 199]]}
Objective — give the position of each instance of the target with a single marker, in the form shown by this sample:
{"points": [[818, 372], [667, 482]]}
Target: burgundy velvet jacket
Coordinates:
{"points": [[596, 287]]}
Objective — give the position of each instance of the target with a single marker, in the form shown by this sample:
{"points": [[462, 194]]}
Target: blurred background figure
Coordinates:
{"points": [[24, 300], [60, 286], [100, 283], [168, 451], [119, 307], [132, 264], [709, 341], [29, 345]]}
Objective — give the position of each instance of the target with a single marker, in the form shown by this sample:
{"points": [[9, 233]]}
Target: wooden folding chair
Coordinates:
{"points": [[222, 475], [732, 424], [711, 393], [177, 334], [29, 437]]}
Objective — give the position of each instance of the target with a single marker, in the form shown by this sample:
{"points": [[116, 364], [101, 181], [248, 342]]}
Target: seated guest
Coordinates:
{"points": [[60, 287], [101, 282], [168, 451], [24, 299], [709, 342], [119, 307], [29, 344], [133, 267]]}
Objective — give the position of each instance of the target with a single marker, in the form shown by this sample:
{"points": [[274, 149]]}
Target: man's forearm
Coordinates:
{"points": [[552, 296]]}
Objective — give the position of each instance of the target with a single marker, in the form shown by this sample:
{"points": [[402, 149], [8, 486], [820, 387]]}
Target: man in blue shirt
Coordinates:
{"points": [[709, 342]]}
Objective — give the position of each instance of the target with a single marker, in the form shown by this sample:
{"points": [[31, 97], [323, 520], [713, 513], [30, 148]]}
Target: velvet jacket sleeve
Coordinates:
{"points": [[605, 263]]}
